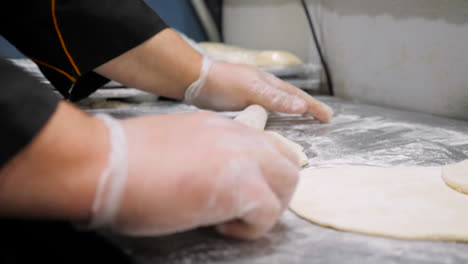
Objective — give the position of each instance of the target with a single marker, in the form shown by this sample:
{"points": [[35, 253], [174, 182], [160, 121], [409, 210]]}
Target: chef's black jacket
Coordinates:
{"points": [[67, 39]]}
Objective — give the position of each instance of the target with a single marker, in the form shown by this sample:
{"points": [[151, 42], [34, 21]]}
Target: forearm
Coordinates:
{"points": [[165, 65], [56, 175]]}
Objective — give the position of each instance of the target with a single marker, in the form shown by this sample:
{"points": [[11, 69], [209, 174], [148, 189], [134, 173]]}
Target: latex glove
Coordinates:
{"points": [[226, 86], [192, 170]]}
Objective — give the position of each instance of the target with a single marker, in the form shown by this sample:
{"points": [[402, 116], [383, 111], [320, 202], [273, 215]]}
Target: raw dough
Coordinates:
{"points": [[409, 203], [456, 176], [255, 116], [261, 59]]}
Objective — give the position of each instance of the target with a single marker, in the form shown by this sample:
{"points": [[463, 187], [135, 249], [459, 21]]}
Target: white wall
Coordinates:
{"points": [[268, 24], [409, 54]]}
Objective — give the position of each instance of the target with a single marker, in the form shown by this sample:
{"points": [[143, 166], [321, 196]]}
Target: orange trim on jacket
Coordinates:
{"points": [[62, 42], [73, 79]]}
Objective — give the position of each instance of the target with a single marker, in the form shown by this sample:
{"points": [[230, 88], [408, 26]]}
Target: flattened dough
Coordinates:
{"points": [[409, 203], [456, 176]]}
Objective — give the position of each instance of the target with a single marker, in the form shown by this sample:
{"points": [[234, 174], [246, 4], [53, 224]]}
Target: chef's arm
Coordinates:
{"points": [[166, 65], [55, 175], [50, 151], [126, 41]]}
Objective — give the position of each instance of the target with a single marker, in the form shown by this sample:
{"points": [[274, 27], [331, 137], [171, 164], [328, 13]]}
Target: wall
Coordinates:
{"points": [[408, 54], [180, 15], [268, 24]]}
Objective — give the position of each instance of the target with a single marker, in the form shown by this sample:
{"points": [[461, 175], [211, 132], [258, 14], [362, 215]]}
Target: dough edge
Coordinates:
{"points": [[303, 214]]}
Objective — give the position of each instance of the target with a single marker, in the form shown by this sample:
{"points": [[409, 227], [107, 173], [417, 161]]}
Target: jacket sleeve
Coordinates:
{"points": [[70, 38], [25, 107]]}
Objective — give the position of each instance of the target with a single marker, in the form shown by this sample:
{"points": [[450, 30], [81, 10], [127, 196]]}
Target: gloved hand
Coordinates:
{"points": [[226, 86], [192, 170]]}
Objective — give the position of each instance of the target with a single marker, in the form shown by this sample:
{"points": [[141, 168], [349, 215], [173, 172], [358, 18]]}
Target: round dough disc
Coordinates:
{"points": [[409, 203], [456, 176]]}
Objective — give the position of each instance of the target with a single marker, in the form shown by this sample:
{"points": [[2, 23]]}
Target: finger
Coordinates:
{"points": [[281, 171], [284, 149], [274, 99], [280, 164], [279, 167], [255, 221], [317, 109], [282, 179]]}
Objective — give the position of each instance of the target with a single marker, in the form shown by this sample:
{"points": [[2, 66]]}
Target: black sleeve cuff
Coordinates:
{"points": [[25, 107]]}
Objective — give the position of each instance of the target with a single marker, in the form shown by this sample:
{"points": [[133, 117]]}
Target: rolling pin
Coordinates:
{"points": [[255, 116]]}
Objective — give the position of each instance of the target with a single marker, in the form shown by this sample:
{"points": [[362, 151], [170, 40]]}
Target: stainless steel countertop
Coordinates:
{"points": [[359, 134]]}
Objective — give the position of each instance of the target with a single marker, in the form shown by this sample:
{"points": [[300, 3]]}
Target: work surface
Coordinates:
{"points": [[358, 135]]}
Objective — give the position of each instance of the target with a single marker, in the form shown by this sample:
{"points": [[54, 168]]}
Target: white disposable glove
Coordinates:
{"points": [[226, 86], [172, 173]]}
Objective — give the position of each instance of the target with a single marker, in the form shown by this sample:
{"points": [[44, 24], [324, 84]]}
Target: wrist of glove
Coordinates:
{"points": [[194, 90], [113, 180]]}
